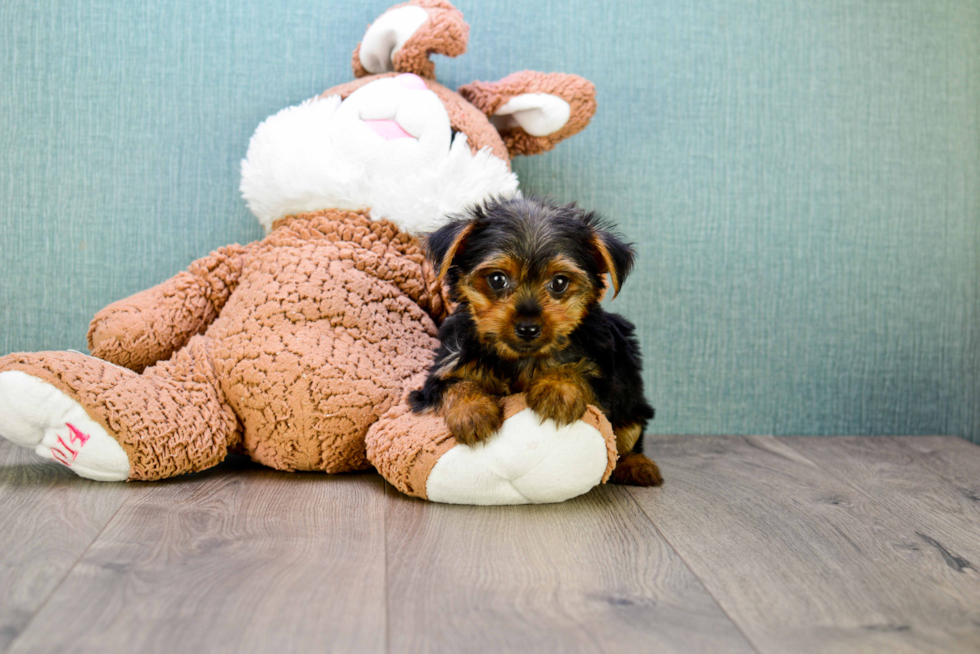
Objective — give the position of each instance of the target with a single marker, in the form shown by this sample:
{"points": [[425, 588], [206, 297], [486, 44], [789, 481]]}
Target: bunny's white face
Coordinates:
{"points": [[388, 147], [395, 117]]}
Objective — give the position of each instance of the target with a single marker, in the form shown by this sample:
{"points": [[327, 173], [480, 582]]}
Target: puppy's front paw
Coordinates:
{"points": [[636, 470], [561, 401], [473, 419]]}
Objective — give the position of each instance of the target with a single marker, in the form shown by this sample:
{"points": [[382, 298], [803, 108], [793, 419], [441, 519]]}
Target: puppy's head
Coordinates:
{"points": [[528, 271]]}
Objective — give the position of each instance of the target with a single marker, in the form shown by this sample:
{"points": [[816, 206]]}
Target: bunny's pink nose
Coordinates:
{"points": [[411, 81]]}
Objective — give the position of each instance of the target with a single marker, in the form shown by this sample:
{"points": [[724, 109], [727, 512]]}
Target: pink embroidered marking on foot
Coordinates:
{"points": [[75, 436]]}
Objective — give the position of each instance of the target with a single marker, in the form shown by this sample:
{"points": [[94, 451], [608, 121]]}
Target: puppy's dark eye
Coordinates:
{"points": [[559, 284], [497, 281]]}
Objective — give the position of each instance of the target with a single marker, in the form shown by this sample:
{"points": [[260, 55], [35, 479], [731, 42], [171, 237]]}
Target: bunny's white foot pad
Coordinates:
{"points": [[526, 462], [37, 415]]}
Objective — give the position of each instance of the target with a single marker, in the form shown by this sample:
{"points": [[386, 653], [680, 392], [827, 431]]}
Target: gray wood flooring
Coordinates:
{"points": [[754, 544]]}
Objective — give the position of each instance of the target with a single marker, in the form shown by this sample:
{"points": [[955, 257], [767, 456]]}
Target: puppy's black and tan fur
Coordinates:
{"points": [[527, 276]]}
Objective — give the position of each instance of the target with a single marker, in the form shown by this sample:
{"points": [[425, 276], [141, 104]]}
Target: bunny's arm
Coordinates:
{"points": [[153, 324]]}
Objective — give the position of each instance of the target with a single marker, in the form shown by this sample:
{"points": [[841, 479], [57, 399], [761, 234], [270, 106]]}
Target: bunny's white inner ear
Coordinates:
{"points": [[387, 35], [538, 114]]}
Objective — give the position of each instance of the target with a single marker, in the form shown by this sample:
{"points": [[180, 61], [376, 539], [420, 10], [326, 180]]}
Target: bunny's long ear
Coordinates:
{"points": [[403, 37], [534, 111]]}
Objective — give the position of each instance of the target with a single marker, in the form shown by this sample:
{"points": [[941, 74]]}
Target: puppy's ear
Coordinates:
{"points": [[442, 245], [613, 255]]}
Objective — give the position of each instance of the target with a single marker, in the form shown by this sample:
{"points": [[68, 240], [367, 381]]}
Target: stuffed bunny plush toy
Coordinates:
{"points": [[299, 349]]}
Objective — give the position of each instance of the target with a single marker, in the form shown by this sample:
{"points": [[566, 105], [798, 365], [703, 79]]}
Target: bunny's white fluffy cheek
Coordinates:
{"points": [[423, 116], [353, 140], [379, 99]]}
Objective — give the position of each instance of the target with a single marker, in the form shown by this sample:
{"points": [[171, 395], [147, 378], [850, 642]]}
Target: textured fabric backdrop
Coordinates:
{"points": [[802, 179]]}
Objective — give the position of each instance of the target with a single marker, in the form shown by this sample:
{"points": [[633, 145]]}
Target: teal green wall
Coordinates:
{"points": [[802, 178]]}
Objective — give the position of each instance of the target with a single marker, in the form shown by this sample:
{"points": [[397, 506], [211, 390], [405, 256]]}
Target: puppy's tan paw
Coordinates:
{"points": [[561, 401], [473, 419], [636, 470]]}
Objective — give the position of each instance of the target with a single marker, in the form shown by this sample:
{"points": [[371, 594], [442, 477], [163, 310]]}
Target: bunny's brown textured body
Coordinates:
{"points": [[311, 355]]}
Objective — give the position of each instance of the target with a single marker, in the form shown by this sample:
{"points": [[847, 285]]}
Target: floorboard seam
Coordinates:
{"points": [[384, 522], [61, 581], [707, 590]]}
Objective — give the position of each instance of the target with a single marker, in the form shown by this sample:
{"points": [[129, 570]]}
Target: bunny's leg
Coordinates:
{"points": [[109, 423]]}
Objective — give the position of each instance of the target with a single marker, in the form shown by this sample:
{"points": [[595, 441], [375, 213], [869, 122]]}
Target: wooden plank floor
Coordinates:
{"points": [[754, 544]]}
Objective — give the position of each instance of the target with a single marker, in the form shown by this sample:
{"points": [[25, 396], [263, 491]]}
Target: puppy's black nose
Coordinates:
{"points": [[527, 330]]}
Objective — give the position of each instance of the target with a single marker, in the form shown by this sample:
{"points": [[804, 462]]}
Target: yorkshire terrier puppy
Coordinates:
{"points": [[528, 276]]}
